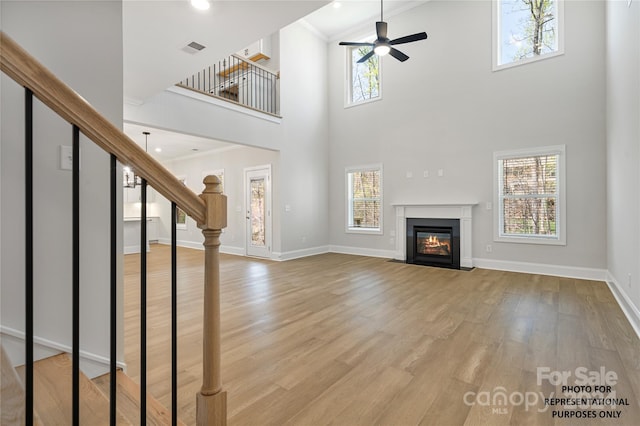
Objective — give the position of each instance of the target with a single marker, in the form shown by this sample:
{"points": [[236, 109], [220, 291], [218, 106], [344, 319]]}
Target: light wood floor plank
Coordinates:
{"points": [[346, 340]]}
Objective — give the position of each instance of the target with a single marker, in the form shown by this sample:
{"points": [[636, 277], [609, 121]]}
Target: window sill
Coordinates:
{"points": [[365, 102], [527, 61], [369, 231], [550, 241]]}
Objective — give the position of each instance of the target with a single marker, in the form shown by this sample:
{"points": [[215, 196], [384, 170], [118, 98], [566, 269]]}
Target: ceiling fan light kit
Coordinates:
{"points": [[382, 45]]}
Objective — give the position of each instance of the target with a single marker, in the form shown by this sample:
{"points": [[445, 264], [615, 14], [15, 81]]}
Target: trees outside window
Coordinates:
{"points": [[364, 78], [526, 30], [530, 195], [364, 199]]}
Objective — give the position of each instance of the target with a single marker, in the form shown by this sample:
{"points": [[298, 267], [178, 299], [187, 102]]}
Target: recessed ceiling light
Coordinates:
{"points": [[200, 4], [337, 5], [158, 149], [194, 149]]}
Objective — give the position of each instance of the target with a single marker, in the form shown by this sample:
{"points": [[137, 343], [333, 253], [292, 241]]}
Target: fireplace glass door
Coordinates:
{"points": [[433, 242]]}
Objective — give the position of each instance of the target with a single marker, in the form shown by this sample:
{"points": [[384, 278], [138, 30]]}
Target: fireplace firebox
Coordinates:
{"points": [[433, 242]]}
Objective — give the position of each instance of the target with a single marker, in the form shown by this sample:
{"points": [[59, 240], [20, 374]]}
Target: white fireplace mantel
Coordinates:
{"points": [[462, 211]]}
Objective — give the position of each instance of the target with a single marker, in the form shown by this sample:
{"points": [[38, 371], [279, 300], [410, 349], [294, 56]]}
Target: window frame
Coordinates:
{"points": [[179, 212], [349, 229], [219, 173], [348, 93], [496, 39], [561, 224]]}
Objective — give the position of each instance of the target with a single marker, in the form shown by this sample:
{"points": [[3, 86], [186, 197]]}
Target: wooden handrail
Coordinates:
{"points": [[28, 72]]}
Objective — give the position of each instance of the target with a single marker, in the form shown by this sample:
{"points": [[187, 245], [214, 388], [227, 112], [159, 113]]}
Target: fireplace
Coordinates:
{"points": [[433, 242]]}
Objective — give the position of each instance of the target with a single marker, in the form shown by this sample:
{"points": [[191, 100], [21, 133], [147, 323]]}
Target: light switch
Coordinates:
{"points": [[409, 175], [440, 172], [66, 157], [425, 174]]}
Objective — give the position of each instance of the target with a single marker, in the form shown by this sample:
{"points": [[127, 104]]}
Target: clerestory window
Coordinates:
{"points": [[526, 30], [363, 79]]}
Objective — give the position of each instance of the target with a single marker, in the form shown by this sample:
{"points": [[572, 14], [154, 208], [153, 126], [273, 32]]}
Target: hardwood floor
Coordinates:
{"points": [[348, 340]]}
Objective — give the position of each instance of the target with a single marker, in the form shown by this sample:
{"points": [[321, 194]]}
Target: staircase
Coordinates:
{"points": [[54, 388]]}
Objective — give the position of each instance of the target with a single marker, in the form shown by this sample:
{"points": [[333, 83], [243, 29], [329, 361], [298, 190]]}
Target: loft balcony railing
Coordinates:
{"points": [[239, 81]]}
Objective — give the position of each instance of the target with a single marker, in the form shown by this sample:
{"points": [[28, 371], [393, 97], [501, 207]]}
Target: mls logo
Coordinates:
{"points": [[499, 411]]}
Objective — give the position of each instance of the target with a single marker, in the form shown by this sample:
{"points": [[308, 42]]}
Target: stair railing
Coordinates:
{"points": [[208, 209], [239, 81]]}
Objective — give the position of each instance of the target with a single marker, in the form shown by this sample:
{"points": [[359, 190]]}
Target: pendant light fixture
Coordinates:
{"points": [[130, 178]]}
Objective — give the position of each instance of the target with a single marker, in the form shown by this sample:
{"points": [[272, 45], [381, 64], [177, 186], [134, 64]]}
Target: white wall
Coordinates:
{"points": [[623, 149], [81, 42], [445, 109], [233, 161], [301, 138]]}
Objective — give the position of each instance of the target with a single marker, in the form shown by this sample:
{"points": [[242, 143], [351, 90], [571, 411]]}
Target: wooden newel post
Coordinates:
{"points": [[212, 400]]}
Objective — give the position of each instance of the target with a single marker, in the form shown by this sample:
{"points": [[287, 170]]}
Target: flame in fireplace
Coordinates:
{"points": [[431, 244], [432, 241]]}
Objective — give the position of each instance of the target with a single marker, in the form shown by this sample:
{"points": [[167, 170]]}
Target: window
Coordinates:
{"points": [[364, 199], [363, 79], [526, 30], [219, 173], [181, 216], [530, 195]]}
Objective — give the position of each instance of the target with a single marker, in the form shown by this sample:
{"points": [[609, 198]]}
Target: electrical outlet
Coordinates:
{"points": [[489, 248], [489, 205], [440, 172]]}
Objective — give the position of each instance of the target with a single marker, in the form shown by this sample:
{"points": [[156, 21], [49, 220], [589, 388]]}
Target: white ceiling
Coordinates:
{"points": [[344, 17], [155, 31], [173, 145]]}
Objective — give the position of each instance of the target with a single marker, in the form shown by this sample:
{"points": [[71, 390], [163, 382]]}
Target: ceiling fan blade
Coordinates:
{"points": [[409, 38], [366, 57], [398, 55], [381, 29], [353, 43]]}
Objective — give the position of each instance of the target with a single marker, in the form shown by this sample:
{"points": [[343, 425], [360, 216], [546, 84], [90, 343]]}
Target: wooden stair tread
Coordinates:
{"points": [[52, 389], [128, 402], [11, 394]]}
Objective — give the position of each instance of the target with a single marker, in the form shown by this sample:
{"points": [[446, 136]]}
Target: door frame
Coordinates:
{"points": [[266, 168]]}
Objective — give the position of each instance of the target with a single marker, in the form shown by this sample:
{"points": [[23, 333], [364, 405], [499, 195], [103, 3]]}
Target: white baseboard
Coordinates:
{"points": [[624, 301], [297, 254], [92, 365], [542, 269], [182, 243], [359, 251], [133, 249], [238, 251]]}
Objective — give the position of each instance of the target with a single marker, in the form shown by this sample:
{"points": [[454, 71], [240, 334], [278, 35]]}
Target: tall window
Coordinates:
{"points": [[364, 78], [526, 30], [364, 199], [530, 195]]}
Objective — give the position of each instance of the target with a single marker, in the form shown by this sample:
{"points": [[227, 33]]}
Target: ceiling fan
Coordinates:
{"points": [[382, 45]]}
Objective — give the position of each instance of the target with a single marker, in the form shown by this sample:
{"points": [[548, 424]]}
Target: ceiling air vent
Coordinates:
{"points": [[193, 47]]}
